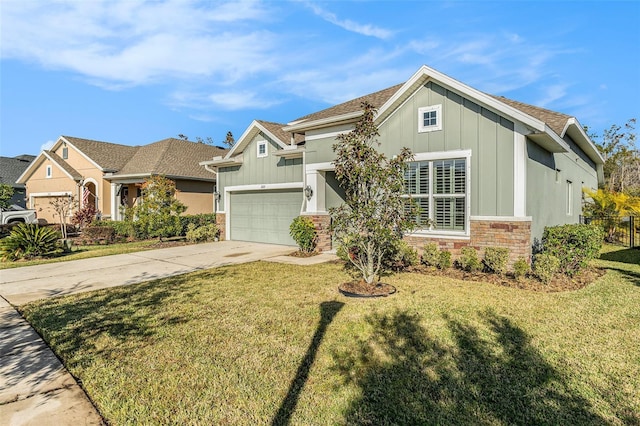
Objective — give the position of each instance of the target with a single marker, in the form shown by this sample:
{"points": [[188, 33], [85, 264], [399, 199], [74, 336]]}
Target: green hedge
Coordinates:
{"points": [[573, 245]]}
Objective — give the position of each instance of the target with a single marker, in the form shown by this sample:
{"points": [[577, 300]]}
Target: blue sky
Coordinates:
{"points": [[135, 72]]}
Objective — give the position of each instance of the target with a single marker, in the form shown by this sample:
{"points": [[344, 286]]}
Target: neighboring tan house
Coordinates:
{"points": [[110, 175], [487, 170], [10, 170]]}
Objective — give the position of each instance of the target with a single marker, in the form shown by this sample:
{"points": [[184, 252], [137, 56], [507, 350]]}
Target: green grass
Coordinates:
{"points": [[266, 343], [85, 252]]}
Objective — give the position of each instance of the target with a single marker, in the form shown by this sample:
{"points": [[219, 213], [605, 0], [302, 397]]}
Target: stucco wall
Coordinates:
{"points": [[198, 196]]}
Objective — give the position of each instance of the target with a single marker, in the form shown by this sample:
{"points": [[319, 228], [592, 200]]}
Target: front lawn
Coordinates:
{"points": [[85, 252], [267, 343]]}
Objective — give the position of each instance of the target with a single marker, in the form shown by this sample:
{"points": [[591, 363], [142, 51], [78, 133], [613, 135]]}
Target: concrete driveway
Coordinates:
{"points": [[35, 388], [22, 285]]}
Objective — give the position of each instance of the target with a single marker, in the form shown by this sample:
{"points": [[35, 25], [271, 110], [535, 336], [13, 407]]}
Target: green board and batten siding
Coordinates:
{"points": [[466, 126]]}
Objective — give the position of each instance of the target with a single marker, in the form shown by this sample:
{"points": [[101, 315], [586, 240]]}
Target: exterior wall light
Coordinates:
{"points": [[308, 192]]}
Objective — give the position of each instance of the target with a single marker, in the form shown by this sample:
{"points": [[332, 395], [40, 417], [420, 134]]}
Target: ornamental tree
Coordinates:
{"points": [[373, 217], [158, 213]]}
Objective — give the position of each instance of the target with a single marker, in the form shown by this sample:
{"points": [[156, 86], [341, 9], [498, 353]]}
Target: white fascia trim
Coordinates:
{"points": [[290, 152], [265, 187], [33, 165], [254, 128], [442, 155], [59, 166], [222, 162], [425, 73], [325, 167], [519, 171], [502, 218], [557, 139], [306, 125], [326, 135], [590, 149], [256, 187], [86, 157]]}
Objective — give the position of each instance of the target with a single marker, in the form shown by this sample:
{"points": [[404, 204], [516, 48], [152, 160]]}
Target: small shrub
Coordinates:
{"points": [[304, 233], [495, 259], [99, 233], [123, 229], [431, 255], [521, 268], [197, 234], [197, 219], [400, 256], [445, 259], [468, 260], [29, 240], [545, 266], [573, 245], [84, 216]]}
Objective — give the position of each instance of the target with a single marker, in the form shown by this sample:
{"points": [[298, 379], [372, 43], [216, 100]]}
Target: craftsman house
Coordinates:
{"points": [[109, 175], [488, 171]]}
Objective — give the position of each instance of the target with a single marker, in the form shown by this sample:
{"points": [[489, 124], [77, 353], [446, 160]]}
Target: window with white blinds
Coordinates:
{"points": [[439, 188]]}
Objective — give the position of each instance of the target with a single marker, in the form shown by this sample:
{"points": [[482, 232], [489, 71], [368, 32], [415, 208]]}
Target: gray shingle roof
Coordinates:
{"points": [[555, 120], [376, 99], [67, 168], [171, 157], [11, 168], [276, 130], [109, 156]]}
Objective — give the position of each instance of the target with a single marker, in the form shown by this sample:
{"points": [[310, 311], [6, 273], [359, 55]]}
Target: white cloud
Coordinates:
{"points": [[47, 145], [241, 100], [349, 25], [127, 43], [552, 94]]}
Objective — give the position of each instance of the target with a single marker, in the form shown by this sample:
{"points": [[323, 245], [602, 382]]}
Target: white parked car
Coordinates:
{"points": [[15, 215]]}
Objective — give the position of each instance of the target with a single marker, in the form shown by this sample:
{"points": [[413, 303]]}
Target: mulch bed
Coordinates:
{"points": [[362, 289], [557, 284], [304, 254]]}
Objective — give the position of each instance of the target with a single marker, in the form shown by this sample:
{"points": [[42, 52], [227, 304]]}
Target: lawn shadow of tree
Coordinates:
{"points": [[491, 374], [328, 311], [129, 314], [630, 255]]}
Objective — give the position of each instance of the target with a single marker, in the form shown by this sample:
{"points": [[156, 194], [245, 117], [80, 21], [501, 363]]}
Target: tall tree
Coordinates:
{"points": [[618, 146], [229, 140], [6, 192], [372, 219]]}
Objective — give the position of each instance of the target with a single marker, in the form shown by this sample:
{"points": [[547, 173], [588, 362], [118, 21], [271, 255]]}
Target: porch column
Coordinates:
{"points": [[114, 201], [316, 180]]}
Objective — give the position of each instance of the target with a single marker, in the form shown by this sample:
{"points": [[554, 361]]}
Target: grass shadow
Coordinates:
{"points": [[130, 315], [328, 311], [629, 255], [491, 374]]}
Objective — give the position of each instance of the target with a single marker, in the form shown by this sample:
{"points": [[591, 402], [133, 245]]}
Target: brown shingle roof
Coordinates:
{"points": [[67, 168], [376, 99], [276, 130], [555, 120], [109, 156], [171, 157]]}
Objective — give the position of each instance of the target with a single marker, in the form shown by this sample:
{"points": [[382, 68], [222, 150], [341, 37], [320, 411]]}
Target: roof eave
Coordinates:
{"points": [[323, 122], [254, 128], [288, 153], [580, 137], [223, 162]]}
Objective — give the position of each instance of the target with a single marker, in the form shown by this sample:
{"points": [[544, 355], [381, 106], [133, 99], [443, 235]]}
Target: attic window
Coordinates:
{"points": [[65, 153], [430, 118], [262, 149], [49, 172]]}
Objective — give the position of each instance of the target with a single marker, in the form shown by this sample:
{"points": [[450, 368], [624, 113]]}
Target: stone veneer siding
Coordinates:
{"points": [[514, 235], [322, 223], [221, 223]]}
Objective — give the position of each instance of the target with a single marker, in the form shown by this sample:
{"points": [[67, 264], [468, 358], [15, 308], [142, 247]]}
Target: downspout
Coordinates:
{"points": [[303, 208]]}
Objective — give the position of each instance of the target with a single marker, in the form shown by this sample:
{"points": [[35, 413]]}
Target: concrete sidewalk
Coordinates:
{"points": [[35, 388]]}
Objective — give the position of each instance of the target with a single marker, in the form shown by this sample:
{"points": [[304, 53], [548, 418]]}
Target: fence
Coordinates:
{"points": [[618, 230]]}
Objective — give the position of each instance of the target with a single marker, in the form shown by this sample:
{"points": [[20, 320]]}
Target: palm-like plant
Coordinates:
{"points": [[29, 240]]}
